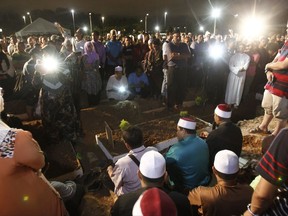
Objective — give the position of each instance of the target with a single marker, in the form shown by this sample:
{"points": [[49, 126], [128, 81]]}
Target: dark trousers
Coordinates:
{"points": [[176, 85]]}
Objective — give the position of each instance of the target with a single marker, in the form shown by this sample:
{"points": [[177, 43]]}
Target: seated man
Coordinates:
{"points": [[117, 85], [152, 173], [187, 160], [227, 135], [138, 83], [227, 197], [124, 173]]}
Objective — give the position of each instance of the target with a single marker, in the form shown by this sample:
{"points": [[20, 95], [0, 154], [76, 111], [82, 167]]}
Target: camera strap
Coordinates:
{"points": [[136, 161]]}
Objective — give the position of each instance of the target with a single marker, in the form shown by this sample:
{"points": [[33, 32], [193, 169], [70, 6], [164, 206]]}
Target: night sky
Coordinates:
{"points": [[153, 7]]}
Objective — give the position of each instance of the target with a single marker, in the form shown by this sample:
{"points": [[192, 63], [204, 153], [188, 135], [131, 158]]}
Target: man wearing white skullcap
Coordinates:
{"points": [[152, 173], [227, 135], [227, 197], [117, 85], [187, 160]]}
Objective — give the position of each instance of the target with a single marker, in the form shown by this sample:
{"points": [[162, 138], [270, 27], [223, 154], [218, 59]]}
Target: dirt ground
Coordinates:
{"points": [[158, 124]]}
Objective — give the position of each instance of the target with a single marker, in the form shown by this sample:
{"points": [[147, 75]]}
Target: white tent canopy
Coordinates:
{"points": [[39, 27]]}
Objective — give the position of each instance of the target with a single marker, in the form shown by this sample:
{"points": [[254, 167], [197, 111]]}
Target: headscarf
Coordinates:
{"points": [[92, 56]]}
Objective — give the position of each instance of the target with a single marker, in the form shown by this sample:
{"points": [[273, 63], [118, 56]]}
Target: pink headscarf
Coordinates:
{"points": [[92, 55]]}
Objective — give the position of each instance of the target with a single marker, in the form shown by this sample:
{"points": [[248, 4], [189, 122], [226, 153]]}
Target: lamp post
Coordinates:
{"points": [[165, 16], [29, 15], [103, 19], [24, 19], [73, 19], [215, 14], [90, 22], [146, 17]]}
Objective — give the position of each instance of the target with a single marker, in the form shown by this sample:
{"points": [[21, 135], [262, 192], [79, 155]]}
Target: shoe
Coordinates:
{"points": [[258, 130]]}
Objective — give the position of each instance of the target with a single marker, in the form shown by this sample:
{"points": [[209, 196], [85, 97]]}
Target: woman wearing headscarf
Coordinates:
{"points": [[91, 79], [24, 189]]}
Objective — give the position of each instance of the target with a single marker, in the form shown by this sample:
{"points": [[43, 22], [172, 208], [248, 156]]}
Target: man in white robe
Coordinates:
{"points": [[238, 65], [117, 86]]}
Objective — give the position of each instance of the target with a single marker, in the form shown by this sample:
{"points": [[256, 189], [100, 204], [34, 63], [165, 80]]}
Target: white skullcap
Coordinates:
{"points": [[152, 165], [226, 162], [223, 111], [118, 69], [187, 123]]}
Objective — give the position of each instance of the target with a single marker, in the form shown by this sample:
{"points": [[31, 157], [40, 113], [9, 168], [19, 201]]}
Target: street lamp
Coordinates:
{"points": [[90, 21], [24, 19], [165, 16], [215, 14], [146, 17], [73, 19], [29, 15], [103, 19]]}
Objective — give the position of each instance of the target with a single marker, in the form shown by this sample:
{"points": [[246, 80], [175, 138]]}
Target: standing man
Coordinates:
{"points": [[113, 53], [177, 71], [227, 135], [165, 52], [275, 99], [270, 195], [100, 49], [238, 65], [187, 161]]}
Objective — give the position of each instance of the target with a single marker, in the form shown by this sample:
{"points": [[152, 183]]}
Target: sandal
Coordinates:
{"points": [[258, 130]]}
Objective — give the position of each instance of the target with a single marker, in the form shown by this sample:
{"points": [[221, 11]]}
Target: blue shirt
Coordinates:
{"points": [[187, 163], [136, 81], [114, 49]]}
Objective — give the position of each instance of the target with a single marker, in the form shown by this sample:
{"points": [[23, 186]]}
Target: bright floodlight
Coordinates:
{"points": [[50, 64], [201, 28], [72, 11], [216, 51], [216, 13], [253, 27], [85, 28], [157, 28], [122, 89]]}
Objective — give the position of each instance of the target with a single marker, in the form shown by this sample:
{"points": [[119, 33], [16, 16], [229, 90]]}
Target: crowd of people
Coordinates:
{"points": [[198, 174]]}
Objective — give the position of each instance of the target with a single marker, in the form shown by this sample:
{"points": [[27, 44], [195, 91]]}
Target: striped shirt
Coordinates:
{"points": [[279, 86], [273, 167]]}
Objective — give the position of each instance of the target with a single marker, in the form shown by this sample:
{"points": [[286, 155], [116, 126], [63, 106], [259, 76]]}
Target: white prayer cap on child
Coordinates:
{"points": [[187, 123], [152, 165]]}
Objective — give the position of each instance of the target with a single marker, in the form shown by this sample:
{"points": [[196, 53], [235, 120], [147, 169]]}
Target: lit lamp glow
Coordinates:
{"points": [[73, 19], [253, 27], [215, 14]]}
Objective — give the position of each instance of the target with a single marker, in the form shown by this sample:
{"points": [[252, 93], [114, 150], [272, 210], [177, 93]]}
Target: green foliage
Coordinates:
{"points": [[184, 114], [124, 124], [198, 101]]}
